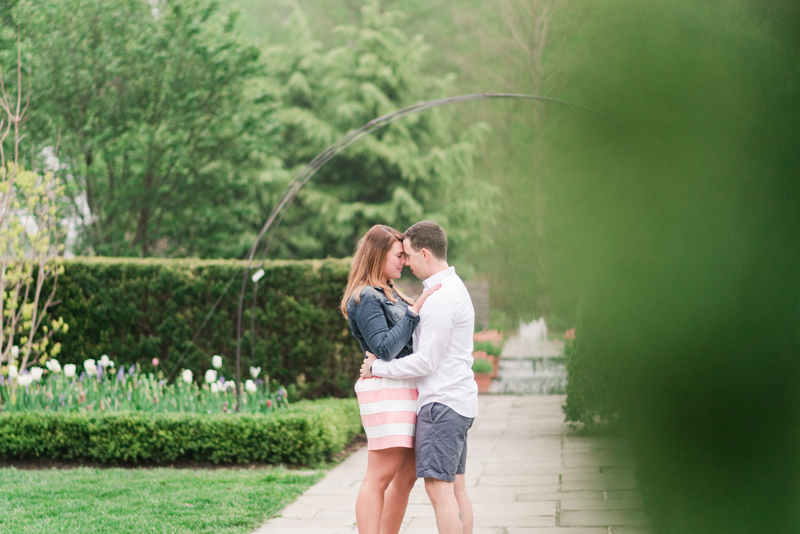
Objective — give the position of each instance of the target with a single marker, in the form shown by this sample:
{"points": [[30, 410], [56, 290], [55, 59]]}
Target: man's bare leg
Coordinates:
{"points": [[443, 499], [464, 504]]}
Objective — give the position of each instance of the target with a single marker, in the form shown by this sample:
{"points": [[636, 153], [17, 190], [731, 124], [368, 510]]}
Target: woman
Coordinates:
{"points": [[382, 319]]}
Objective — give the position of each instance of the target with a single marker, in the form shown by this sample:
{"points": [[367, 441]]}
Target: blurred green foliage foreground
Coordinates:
{"points": [[686, 225]]}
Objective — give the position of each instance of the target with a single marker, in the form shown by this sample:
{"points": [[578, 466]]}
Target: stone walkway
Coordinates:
{"points": [[526, 472]]}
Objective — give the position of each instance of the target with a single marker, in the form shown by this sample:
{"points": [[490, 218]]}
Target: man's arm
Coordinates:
{"points": [[436, 324]]}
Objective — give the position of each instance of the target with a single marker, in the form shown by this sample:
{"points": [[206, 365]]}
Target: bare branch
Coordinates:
{"points": [[4, 95], [543, 35], [58, 142], [519, 40], [19, 71]]}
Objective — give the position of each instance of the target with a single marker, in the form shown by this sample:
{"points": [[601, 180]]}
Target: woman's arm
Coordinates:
{"points": [[385, 342]]}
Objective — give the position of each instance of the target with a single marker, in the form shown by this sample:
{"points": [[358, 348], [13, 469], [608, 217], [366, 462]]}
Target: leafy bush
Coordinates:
{"points": [[135, 310], [482, 366], [306, 433], [488, 347]]}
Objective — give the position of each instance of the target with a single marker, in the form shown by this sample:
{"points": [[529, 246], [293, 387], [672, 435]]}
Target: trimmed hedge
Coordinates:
{"points": [[137, 309], [307, 433]]}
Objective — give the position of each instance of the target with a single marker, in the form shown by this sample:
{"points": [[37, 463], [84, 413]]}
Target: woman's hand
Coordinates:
{"points": [[421, 300]]}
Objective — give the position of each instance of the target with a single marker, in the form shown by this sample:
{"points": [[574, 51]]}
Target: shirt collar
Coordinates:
{"points": [[438, 277]]}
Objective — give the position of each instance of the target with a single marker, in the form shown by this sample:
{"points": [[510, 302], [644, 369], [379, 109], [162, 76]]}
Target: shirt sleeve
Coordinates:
{"points": [[436, 327], [386, 343]]}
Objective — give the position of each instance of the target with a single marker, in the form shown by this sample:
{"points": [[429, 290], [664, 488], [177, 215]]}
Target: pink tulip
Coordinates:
{"points": [[155, 362]]}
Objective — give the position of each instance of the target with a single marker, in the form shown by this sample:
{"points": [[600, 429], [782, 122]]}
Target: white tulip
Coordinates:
{"points": [[214, 388], [36, 373], [12, 371], [250, 386], [254, 371], [53, 366], [230, 384], [211, 376], [69, 370], [25, 380], [105, 361], [14, 352], [91, 367], [257, 275], [186, 376], [216, 361]]}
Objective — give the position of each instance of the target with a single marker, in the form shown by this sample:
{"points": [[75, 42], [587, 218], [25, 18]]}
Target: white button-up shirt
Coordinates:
{"points": [[442, 357]]}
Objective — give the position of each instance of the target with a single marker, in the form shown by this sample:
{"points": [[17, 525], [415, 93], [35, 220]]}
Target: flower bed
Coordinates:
{"points": [[305, 433], [102, 386]]}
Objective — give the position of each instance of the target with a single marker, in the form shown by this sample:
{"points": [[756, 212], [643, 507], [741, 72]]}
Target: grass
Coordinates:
{"points": [[86, 500]]}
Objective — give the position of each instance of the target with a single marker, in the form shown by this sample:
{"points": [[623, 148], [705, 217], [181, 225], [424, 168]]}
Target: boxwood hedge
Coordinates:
{"points": [[306, 433], [135, 310]]}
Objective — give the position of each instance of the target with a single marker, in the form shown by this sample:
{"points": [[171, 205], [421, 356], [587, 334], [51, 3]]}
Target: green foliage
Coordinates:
{"points": [[306, 434], [409, 171], [177, 138], [480, 365], [135, 310], [177, 501], [151, 105], [488, 347]]}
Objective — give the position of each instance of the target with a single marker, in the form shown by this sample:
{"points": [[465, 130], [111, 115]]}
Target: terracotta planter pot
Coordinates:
{"points": [[484, 381], [494, 360]]}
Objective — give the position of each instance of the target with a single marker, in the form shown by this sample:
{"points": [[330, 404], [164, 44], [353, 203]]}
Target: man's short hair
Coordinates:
{"points": [[428, 234]]}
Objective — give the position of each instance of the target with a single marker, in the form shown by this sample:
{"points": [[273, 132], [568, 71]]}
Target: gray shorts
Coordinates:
{"points": [[441, 442]]}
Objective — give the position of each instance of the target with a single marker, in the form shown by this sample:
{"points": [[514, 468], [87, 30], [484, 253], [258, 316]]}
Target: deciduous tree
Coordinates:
{"points": [[157, 121]]}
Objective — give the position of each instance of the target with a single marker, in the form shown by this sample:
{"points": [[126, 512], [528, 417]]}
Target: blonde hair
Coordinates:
{"points": [[368, 265]]}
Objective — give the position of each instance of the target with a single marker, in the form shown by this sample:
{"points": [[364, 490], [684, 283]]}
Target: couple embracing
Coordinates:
{"points": [[417, 393]]}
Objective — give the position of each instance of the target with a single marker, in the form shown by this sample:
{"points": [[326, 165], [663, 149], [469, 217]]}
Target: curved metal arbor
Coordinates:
{"points": [[302, 178]]}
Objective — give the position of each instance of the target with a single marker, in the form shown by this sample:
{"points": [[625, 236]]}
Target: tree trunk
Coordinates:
{"points": [[141, 237]]}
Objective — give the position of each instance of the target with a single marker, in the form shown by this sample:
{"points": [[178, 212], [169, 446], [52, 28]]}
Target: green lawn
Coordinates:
{"points": [[84, 500]]}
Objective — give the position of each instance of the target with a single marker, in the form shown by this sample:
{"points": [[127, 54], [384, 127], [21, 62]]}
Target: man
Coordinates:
{"points": [[442, 365]]}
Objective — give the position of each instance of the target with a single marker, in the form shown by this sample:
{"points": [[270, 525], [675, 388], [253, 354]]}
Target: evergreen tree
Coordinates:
{"points": [[409, 171]]}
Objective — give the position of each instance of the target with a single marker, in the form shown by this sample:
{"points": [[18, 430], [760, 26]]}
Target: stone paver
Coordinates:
{"points": [[526, 473]]}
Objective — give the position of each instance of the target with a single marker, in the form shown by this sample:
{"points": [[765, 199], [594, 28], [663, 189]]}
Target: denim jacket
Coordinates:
{"points": [[381, 326]]}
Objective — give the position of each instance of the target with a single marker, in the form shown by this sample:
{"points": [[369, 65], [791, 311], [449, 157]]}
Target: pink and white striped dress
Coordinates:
{"points": [[388, 411]]}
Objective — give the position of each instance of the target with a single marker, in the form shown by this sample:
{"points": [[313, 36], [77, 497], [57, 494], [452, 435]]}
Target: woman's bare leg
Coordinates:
{"points": [[396, 500], [382, 466]]}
